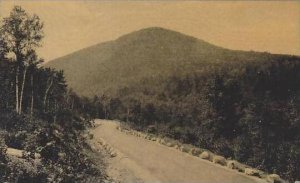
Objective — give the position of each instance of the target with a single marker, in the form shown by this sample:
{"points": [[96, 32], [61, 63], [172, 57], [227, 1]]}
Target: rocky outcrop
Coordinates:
{"points": [[107, 148], [219, 160], [205, 155], [21, 153]]}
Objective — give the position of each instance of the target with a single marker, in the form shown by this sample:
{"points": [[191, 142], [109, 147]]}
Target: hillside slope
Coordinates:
{"points": [[239, 104], [142, 54]]}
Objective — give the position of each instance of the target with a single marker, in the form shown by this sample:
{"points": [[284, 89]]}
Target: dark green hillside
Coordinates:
{"points": [[241, 104], [146, 53], [247, 111]]}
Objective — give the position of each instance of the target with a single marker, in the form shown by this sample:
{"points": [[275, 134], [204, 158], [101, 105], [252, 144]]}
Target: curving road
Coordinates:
{"points": [[141, 160]]}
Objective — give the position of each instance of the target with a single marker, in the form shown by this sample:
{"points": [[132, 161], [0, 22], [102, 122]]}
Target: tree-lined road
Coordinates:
{"points": [[146, 161]]}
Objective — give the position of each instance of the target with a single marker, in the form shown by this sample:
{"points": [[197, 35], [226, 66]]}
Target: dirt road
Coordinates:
{"points": [[140, 160]]}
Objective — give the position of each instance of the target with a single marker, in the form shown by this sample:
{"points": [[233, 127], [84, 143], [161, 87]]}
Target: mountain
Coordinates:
{"points": [[239, 104], [149, 52]]}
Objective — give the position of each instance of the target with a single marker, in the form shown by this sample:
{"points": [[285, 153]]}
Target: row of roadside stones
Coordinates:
{"points": [[109, 149], [206, 155]]}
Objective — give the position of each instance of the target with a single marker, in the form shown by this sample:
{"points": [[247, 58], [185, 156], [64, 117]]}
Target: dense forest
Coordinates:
{"points": [[240, 104], [243, 105], [38, 113], [249, 111]]}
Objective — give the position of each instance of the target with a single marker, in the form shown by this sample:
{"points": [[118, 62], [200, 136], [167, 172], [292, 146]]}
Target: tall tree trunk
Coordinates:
{"points": [[105, 112], [8, 101], [22, 90], [72, 104], [55, 111], [46, 93], [127, 116], [17, 89], [32, 98]]}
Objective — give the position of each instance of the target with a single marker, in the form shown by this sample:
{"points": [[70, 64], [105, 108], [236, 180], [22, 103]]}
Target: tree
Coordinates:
{"points": [[21, 34]]}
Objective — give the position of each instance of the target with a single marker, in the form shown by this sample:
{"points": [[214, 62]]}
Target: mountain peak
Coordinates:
{"points": [[160, 36], [141, 54], [156, 31], [151, 32]]}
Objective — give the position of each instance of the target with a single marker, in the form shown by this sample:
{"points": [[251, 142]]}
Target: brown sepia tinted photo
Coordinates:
{"points": [[137, 91]]}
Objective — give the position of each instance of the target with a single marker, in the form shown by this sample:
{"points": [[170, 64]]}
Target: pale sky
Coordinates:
{"points": [[272, 26]]}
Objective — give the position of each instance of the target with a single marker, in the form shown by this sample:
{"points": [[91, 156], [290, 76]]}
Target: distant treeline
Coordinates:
{"points": [[249, 111], [36, 112]]}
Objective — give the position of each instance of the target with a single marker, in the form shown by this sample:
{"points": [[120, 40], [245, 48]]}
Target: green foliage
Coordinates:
{"points": [[51, 121], [248, 111], [243, 105]]}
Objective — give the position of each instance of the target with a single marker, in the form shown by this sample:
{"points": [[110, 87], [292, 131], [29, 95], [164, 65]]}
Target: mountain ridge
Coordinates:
{"points": [[145, 53], [129, 34]]}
